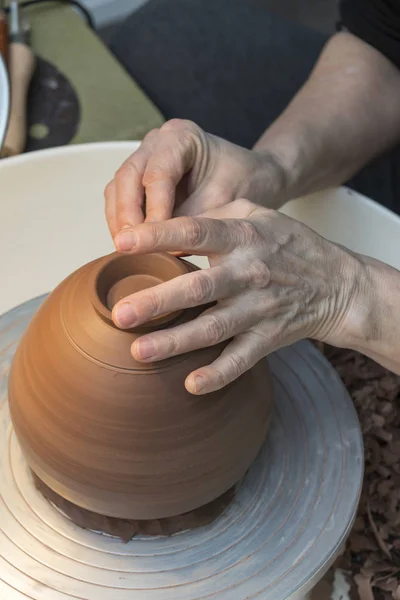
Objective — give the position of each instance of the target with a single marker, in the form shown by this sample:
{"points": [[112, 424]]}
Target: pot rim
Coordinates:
{"points": [[115, 267]]}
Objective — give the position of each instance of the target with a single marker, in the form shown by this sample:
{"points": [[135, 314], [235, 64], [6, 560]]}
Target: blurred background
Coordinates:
{"points": [[318, 14]]}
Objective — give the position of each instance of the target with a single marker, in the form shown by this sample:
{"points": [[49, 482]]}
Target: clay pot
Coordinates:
{"points": [[115, 436]]}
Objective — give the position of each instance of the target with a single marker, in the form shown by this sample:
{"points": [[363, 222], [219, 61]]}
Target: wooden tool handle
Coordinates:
{"points": [[3, 36], [21, 67]]}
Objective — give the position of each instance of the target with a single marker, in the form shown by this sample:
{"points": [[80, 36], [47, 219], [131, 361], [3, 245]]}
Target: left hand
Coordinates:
{"points": [[274, 282]]}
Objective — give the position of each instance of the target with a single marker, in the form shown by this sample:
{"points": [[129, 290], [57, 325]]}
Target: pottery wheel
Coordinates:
{"points": [[289, 519]]}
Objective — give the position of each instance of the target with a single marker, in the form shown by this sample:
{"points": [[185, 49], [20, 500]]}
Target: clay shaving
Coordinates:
{"points": [[371, 558], [127, 529]]}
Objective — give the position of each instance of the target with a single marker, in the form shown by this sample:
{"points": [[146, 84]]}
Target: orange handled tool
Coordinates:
{"points": [[21, 65], [3, 33]]}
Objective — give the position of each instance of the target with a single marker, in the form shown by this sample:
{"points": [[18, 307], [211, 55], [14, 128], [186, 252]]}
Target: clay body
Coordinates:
{"points": [[118, 437]]}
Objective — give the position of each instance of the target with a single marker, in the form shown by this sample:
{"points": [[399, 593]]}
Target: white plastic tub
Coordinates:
{"points": [[352, 220], [52, 217]]}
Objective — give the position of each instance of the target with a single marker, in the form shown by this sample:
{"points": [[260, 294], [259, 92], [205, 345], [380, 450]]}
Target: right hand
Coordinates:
{"points": [[272, 281], [182, 171]]}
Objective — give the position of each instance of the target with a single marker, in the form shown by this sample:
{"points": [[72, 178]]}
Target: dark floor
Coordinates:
{"points": [[319, 14]]}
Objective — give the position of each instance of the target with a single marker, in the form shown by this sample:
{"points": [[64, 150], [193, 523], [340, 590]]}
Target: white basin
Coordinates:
{"points": [[52, 217], [351, 220]]}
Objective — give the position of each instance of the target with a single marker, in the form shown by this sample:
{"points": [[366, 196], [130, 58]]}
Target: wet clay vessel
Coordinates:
{"points": [[115, 436]]}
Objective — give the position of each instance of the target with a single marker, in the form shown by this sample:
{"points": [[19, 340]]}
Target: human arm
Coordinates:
{"points": [[273, 281], [374, 325], [345, 115]]}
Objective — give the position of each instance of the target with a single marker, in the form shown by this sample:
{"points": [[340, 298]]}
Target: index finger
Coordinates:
{"points": [[126, 189], [174, 155], [184, 234]]}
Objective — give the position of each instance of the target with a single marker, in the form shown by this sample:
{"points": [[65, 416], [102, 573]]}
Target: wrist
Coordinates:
{"points": [[268, 182], [288, 150], [339, 318], [370, 321]]}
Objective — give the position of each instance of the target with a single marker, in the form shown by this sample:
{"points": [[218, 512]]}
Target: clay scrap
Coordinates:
{"points": [[126, 529], [371, 559]]}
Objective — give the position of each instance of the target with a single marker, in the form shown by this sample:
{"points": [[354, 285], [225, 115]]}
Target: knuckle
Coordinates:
{"points": [[202, 287], [178, 125], [109, 189], [150, 136], [119, 173], [154, 174], [172, 125], [248, 232], [216, 329], [152, 303], [262, 307], [195, 231], [237, 365], [273, 337], [153, 235], [128, 169], [172, 344], [259, 275], [191, 125], [150, 176]]}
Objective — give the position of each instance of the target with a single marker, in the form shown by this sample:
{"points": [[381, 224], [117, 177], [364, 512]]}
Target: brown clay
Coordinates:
{"points": [[115, 436], [126, 529]]}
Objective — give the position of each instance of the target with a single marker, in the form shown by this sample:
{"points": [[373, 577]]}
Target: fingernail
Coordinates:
{"points": [[125, 240], [124, 315], [199, 383], [146, 348]]}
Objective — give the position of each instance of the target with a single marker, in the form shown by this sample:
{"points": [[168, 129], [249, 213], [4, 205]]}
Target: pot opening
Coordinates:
{"points": [[124, 275], [127, 286]]}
